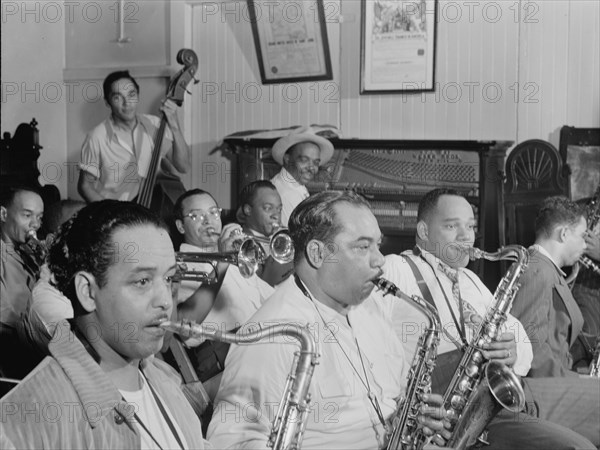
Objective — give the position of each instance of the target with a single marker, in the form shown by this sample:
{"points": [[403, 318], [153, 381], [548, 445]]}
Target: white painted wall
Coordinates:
{"points": [[541, 56], [33, 58]]}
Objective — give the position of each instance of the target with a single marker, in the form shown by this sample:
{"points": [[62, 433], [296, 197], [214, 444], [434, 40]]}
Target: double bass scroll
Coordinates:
{"points": [[175, 92]]}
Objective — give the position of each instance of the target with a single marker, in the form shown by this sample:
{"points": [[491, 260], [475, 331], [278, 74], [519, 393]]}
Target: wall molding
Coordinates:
{"points": [[99, 73]]}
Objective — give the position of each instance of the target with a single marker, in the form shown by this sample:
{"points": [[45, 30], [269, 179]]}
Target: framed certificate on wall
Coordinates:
{"points": [[291, 43], [397, 45]]}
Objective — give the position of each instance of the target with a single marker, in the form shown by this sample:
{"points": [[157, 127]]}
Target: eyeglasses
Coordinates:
{"points": [[200, 215]]}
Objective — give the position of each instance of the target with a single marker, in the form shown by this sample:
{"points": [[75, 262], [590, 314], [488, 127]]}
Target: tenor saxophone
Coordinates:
{"points": [[290, 422], [479, 390], [404, 432]]}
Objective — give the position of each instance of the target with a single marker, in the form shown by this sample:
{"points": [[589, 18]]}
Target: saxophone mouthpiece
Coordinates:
{"points": [[474, 253], [31, 234], [180, 327]]}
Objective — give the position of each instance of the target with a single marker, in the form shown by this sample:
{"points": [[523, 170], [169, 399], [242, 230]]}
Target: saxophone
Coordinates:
{"points": [[405, 430], [479, 390], [289, 423], [593, 217]]}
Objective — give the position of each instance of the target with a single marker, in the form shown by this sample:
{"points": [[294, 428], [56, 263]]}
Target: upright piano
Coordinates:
{"points": [[393, 175]]}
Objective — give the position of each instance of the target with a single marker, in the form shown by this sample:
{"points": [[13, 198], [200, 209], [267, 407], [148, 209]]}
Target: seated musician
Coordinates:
{"points": [[259, 212], [300, 154], [544, 302], [586, 289], [116, 154], [231, 299], [115, 261], [48, 304], [445, 228], [362, 368], [21, 211]]}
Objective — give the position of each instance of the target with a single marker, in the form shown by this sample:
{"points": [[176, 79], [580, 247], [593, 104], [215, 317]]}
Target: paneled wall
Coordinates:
{"points": [[504, 70], [510, 70]]}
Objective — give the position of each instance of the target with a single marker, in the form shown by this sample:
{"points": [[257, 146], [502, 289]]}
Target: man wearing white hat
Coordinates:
{"points": [[300, 153]]}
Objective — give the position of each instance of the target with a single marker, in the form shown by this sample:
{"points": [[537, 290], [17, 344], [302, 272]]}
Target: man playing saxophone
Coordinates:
{"points": [[445, 232], [362, 368]]}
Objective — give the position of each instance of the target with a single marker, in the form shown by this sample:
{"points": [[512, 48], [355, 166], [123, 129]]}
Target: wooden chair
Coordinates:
{"points": [[19, 155], [534, 171]]}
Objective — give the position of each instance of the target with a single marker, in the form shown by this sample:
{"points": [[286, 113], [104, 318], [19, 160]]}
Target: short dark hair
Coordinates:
{"points": [[8, 194], [250, 191], [315, 218], [430, 200], [85, 242], [556, 211], [116, 76], [178, 208]]}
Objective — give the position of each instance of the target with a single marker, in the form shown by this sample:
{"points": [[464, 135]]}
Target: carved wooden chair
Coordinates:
{"points": [[534, 171]]}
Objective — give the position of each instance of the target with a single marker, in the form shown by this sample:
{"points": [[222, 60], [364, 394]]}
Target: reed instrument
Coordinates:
{"points": [[593, 217], [405, 431], [290, 422], [480, 389]]}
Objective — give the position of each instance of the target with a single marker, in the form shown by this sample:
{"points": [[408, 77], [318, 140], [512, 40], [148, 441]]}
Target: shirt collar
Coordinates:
{"points": [[111, 125], [434, 261], [543, 251]]}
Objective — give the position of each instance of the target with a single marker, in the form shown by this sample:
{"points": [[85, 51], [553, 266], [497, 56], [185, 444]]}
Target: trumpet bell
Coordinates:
{"points": [[249, 257], [282, 247]]}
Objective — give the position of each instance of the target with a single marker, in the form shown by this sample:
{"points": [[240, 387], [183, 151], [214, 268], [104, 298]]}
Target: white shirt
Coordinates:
{"points": [[237, 299], [111, 159], [410, 322], [341, 414], [148, 412], [49, 303], [290, 191]]}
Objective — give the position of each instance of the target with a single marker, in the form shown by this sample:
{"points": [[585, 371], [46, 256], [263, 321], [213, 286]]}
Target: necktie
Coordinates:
{"points": [[464, 306]]}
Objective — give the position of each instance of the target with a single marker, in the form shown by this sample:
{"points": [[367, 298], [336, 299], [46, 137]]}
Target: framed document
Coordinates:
{"points": [[291, 40], [397, 45]]}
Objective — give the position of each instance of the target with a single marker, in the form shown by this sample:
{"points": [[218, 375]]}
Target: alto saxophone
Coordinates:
{"points": [[289, 423], [479, 390], [405, 431]]}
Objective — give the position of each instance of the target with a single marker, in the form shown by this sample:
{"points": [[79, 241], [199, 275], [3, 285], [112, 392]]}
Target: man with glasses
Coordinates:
{"points": [[300, 154], [116, 154], [229, 301]]}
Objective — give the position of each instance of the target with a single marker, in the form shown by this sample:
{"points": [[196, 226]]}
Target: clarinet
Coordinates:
{"points": [[405, 432], [290, 422]]}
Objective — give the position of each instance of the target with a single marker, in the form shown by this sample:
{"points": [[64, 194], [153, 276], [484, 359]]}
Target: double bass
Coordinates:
{"points": [[159, 192]]}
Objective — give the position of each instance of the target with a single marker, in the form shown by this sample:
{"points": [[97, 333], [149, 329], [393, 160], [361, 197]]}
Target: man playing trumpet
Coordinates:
{"points": [[231, 299], [260, 213]]}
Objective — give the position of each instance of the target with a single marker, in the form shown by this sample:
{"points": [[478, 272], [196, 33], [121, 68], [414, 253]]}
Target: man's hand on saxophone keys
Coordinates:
{"points": [[433, 419], [503, 349]]}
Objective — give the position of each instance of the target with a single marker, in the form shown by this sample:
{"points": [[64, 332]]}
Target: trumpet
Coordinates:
{"points": [[38, 249], [247, 259], [280, 244]]}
